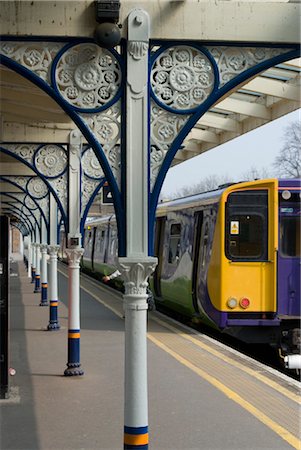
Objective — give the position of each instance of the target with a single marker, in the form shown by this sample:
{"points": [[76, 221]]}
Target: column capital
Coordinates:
{"points": [[43, 248], [135, 273], [53, 249], [74, 256]]}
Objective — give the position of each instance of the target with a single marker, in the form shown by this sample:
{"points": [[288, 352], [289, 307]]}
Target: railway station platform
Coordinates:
{"points": [[201, 394]]}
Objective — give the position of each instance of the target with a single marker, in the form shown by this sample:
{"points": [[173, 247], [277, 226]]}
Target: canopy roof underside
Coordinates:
{"points": [[29, 115]]}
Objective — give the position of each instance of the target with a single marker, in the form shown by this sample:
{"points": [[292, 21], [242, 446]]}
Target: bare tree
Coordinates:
{"points": [[255, 174], [209, 183], [288, 161]]}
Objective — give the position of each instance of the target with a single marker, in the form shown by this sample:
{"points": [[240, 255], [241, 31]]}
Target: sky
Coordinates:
{"points": [[257, 149]]}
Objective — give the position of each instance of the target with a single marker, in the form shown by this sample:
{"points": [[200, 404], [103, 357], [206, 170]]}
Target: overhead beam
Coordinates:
{"points": [[273, 87], [213, 120], [39, 133], [208, 20], [203, 135], [17, 169], [32, 113], [245, 108]]}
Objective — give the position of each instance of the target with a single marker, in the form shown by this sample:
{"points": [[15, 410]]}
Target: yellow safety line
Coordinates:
{"points": [[249, 371], [282, 432]]}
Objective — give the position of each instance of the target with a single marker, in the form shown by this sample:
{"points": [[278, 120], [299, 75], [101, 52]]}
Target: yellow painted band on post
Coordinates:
{"points": [[38, 276], [44, 285], [278, 429], [74, 335], [136, 439], [53, 303]]}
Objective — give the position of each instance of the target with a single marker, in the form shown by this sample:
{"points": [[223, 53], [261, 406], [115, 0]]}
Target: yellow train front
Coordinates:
{"points": [[231, 258]]}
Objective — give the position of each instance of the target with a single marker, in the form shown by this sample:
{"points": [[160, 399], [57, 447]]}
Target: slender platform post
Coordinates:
{"points": [[73, 364], [33, 264], [29, 252], [135, 275], [37, 279], [137, 265], [53, 291], [44, 301]]}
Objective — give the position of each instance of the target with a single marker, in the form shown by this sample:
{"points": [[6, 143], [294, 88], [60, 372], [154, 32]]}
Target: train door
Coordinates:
{"points": [[198, 224], [200, 263], [250, 246], [289, 257], [158, 250]]}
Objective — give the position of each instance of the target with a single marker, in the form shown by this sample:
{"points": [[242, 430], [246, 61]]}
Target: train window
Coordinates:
{"points": [[174, 243], [245, 237], [290, 236]]}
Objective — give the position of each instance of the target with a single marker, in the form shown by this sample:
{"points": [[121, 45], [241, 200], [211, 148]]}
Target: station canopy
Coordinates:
{"points": [[29, 115]]}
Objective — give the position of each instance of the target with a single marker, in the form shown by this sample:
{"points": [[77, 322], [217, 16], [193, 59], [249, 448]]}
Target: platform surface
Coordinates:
{"points": [[201, 395]]}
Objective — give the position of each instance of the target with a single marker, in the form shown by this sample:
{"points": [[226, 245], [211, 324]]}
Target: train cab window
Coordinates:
{"points": [[290, 236], [245, 237], [174, 243]]}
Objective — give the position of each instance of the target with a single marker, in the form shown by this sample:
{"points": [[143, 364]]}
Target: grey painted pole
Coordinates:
{"points": [[37, 287], [44, 289], [137, 265], [53, 291], [73, 363], [74, 254]]}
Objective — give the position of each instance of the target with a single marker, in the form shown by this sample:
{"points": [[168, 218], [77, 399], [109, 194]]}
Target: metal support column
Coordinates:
{"points": [[74, 254], [29, 256], [44, 301], [53, 249], [73, 364], [4, 298], [53, 291], [137, 265], [33, 263], [37, 278]]}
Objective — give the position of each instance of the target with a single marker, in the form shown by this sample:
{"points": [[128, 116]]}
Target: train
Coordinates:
{"points": [[228, 258]]}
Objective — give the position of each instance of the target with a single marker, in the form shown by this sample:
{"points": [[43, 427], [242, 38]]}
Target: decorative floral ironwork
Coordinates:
{"points": [[182, 77], [232, 61], [35, 56], [29, 203], [24, 151], [165, 127], [88, 76], [137, 49], [60, 186], [88, 188], [51, 160], [90, 164], [105, 126], [37, 188]]}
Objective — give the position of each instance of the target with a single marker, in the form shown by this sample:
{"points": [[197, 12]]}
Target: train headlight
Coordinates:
{"points": [[232, 302], [244, 302], [286, 195]]}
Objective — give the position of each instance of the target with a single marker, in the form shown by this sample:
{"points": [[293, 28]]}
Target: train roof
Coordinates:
{"points": [[211, 197], [202, 198]]}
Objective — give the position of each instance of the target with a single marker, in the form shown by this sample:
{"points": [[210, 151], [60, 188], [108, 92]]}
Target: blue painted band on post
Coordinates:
{"points": [[37, 283], [53, 312], [33, 274], [73, 348], [44, 293], [135, 447], [135, 430]]}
